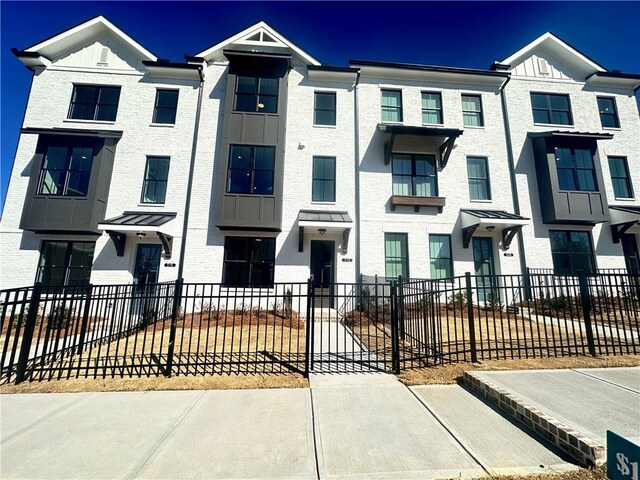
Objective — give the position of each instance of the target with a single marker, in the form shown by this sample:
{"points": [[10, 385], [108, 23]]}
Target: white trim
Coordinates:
{"points": [[252, 30]]}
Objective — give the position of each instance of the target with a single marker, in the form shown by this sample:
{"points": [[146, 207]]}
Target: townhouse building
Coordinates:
{"points": [[252, 163]]}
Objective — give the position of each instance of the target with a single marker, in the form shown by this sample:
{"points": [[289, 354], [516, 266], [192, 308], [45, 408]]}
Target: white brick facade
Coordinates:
{"points": [[358, 113]]}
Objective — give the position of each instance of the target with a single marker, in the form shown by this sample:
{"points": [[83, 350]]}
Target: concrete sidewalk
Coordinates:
{"points": [[345, 426]]}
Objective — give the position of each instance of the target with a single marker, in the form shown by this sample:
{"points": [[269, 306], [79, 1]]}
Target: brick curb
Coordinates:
{"points": [[586, 451]]}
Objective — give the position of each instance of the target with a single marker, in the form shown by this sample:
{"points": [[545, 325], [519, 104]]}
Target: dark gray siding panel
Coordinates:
{"points": [[69, 214]]}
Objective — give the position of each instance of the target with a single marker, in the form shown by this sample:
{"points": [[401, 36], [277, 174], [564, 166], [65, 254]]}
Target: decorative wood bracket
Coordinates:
{"points": [[617, 231], [167, 244], [119, 239], [508, 234], [300, 239], [388, 148], [445, 151], [345, 240], [467, 233]]}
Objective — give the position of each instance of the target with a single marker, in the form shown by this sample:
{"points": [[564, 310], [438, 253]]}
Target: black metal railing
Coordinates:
{"points": [[376, 324]]}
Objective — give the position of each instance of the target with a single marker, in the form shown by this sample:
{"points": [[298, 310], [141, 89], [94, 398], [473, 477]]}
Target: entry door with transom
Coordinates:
{"points": [[630, 251], [484, 267], [145, 276], [322, 271]]}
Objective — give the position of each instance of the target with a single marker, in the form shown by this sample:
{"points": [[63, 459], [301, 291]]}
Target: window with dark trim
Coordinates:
{"points": [[472, 111], [396, 255], [414, 175], [391, 105], [249, 261], [156, 175], [92, 102], [608, 112], [551, 108], [620, 178], [478, 176], [66, 170], [440, 256], [165, 107], [576, 170], [251, 169], [571, 251], [256, 94], [65, 263], [432, 108], [324, 179], [324, 108]]}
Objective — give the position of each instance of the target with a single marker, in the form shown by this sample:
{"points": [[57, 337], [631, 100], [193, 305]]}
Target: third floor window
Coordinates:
{"points": [[414, 175], [576, 170], [608, 112], [91, 102], [66, 170], [431, 108], [165, 107], [251, 169], [391, 105], [256, 94], [551, 108]]}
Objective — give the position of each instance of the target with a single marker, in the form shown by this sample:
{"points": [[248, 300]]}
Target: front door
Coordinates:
{"points": [[147, 264], [630, 250], [484, 267], [322, 271]]}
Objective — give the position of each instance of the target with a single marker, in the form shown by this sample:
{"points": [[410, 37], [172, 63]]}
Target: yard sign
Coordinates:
{"points": [[623, 458]]}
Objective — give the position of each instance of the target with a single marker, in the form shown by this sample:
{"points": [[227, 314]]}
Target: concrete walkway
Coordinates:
{"points": [[345, 426]]}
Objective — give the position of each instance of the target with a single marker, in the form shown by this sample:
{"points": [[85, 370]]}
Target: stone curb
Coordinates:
{"points": [[586, 451]]}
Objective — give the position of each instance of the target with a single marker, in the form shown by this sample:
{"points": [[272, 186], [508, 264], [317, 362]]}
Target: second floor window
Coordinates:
{"points": [[608, 112], [551, 108], [66, 171], [251, 169], [65, 263], [472, 111], [256, 94], [324, 109], [165, 107], [431, 108], [478, 174], [620, 177], [414, 175], [156, 175], [91, 102], [324, 179], [575, 169], [391, 105]]}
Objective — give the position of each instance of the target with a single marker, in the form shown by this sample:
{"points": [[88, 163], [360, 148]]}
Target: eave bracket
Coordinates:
{"points": [[119, 240]]}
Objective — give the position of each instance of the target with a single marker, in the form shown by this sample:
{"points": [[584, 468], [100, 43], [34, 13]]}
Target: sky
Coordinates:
{"points": [[456, 34]]}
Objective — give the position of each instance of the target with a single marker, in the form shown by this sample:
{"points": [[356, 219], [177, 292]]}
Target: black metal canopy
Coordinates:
{"points": [[141, 219], [117, 227], [623, 217], [508, 224], [323, 221], [571, 134], [448, 134]]}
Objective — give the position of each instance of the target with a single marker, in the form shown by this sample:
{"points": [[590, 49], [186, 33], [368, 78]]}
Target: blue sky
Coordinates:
{"points": [[460, 34]]}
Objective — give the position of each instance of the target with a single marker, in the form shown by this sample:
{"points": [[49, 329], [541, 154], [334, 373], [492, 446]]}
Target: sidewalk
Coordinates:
{"points": [[344, 426]]}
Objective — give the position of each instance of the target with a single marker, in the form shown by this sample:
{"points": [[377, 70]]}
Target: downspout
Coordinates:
{"points": [[187, 205], [512, 175], [356, 150]]}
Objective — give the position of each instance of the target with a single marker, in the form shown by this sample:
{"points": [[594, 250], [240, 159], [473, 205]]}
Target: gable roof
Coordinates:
{"points": [[560, 48], [52, 47], [258, 35]]}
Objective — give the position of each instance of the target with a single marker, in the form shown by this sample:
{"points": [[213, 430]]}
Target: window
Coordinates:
{"points": [[478, 174], [166, 106], [571, 251], [324, 111], [391, 106], [432, 108], [620, 177], [608, 112], [66, 170], [90, 102], [414, 175], [249, 261], [324, 179], [156, 174], [575, 169], [441, 258], [251, 169], [472, 111], [396, 255], [551, 108], [65, 263], [254, 94]]}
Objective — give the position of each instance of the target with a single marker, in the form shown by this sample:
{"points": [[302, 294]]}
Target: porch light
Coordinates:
{"points": [[322, 231], [141, 235], [491, 228]]}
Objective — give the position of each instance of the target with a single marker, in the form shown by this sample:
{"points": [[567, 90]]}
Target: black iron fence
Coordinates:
{"points": [[176, 328]]}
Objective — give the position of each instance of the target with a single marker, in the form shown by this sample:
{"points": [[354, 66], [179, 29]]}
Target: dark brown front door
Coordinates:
{"points": [[323, 271]]}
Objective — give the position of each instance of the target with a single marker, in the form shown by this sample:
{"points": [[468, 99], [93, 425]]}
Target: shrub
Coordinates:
{"points": [[287, 303], [59, 317], [458, 300], [493, 301]]}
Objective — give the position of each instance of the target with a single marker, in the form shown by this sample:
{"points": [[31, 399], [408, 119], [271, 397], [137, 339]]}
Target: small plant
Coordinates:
{"points": [[20, 319], [287, 303], [60, 317], [458, 300], [180, 313], [493, 301], [148, 316], [367, 300], [425, 301]]}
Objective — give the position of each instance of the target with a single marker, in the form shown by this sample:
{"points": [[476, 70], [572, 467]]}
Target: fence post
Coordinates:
{"points": [[585, 299], [85, 319], [308, 360], [27, 335], [527, 284], [472, 326], [395, 352], [177, 297], [401, 310]]}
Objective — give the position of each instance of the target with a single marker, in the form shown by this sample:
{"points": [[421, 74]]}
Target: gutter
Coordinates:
{"points": [[356, 166], [187, 206], [512, 175]]}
